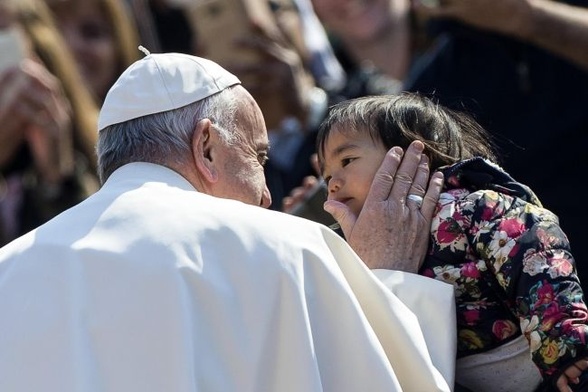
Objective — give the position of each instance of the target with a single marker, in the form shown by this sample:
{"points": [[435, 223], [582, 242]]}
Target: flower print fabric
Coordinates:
{"points": [[510, 264]]}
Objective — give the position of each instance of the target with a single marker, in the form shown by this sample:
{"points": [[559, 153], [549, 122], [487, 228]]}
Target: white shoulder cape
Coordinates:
{"points": [[150, 286]]}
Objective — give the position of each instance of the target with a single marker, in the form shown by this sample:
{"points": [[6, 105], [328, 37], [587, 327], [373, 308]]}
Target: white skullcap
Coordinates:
{"points": [[160, 82]]}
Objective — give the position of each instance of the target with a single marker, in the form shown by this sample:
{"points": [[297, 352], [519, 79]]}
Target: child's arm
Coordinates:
{"points": [[528, 253]]}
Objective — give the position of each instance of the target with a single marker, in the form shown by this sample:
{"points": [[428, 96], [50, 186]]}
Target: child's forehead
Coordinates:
{"points": [[338, 135], [342, 141], [349, 132], [341, 133]]}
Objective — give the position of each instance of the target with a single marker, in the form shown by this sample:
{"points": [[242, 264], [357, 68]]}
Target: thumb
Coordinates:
{"points": [[342, 215]]}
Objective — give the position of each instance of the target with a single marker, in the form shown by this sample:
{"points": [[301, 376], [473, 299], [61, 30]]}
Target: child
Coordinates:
{"points": [[510, 263]]}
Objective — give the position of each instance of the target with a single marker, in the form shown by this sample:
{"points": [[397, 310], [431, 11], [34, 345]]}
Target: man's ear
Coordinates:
{"points": [[202, 151]]}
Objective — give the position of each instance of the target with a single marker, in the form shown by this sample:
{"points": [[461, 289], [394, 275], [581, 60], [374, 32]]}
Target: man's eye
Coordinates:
{"points": [[262, 158]]}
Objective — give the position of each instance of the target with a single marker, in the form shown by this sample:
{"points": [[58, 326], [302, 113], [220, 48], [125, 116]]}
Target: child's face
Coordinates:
{"points": [[350, 164]]}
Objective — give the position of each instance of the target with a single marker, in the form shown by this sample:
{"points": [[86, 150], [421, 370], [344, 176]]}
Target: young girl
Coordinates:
{"points": [[510, 263]]}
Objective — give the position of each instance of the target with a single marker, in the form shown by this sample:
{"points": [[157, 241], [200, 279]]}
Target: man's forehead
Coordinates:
{"points": [[253, 128], [262, 136], [260, 139], [252, 136]]}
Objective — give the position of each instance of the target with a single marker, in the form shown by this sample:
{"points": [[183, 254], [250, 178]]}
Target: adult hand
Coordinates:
{"points": [[299, 194], [571, 375], [556, 27], [503, 16], [280, 72], [33, 109], [392, 231]]}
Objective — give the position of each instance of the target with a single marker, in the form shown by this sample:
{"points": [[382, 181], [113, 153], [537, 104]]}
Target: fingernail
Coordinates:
{"points": [[398, 151], [419, 145]]}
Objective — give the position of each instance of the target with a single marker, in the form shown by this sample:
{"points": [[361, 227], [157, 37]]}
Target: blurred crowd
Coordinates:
{"points": [[519, 67]]}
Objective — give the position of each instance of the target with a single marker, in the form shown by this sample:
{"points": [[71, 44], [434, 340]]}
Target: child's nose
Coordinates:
{"points": [[334, 185]]}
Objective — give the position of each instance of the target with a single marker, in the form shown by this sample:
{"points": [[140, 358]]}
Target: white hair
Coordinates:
{"points": [[164, 138]]}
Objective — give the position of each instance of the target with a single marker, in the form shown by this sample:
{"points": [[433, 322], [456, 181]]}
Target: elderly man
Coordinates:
{"points": [[172, 278]]}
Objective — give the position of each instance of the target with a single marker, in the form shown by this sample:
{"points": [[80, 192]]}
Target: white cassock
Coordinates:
{"points": [[150, 286]]}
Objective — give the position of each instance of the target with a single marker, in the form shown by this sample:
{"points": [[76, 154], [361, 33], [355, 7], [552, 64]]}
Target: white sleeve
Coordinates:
{"points": [[433, 303], [413, 317]]}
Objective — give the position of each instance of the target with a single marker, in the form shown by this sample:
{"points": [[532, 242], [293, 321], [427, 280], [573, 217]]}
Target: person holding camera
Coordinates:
{"points": [[48, 118]]}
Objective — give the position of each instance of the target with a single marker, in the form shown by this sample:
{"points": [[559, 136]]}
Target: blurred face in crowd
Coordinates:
{"points": [[241, 174], [357, 20], [90, 35]]}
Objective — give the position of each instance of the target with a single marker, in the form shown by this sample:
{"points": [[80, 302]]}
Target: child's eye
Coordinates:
{"points": [[346, 161]]}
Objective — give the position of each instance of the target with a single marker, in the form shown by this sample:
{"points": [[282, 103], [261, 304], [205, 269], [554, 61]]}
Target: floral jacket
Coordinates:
{"points": [[511, 266]]}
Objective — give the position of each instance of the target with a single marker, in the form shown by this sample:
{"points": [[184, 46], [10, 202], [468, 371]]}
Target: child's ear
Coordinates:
{"points": [[203, 147]]}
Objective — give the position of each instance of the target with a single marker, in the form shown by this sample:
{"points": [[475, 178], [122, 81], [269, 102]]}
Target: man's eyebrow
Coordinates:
{"points": [[265, 146]]}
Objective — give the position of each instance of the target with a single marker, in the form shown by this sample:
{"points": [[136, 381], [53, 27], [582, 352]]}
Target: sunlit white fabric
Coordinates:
{"points": [[149, 285]]}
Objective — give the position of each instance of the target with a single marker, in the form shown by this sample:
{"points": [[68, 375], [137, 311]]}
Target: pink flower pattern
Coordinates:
{"points": [[511, 265]]}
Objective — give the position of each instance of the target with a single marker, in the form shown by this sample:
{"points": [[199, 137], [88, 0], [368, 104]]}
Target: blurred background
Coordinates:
{"points": [[527, 86]]}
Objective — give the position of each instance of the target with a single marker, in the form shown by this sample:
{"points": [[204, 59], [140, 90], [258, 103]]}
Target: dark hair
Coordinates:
{"points": [[397, 120]]}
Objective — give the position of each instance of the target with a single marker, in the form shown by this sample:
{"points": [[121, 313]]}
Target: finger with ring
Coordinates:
{"points": [[416, 198]]}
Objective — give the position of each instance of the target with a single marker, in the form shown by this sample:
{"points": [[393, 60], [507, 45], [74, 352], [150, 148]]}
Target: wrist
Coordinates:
{"points": [[528, 20]]}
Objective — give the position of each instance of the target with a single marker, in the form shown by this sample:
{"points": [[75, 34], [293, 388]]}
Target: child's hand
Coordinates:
{"points": [[299, 194], [571, 375]]}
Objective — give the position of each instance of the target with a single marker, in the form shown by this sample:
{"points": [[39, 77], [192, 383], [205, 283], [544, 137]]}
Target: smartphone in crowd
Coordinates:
{"points": [[12, 48]]}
